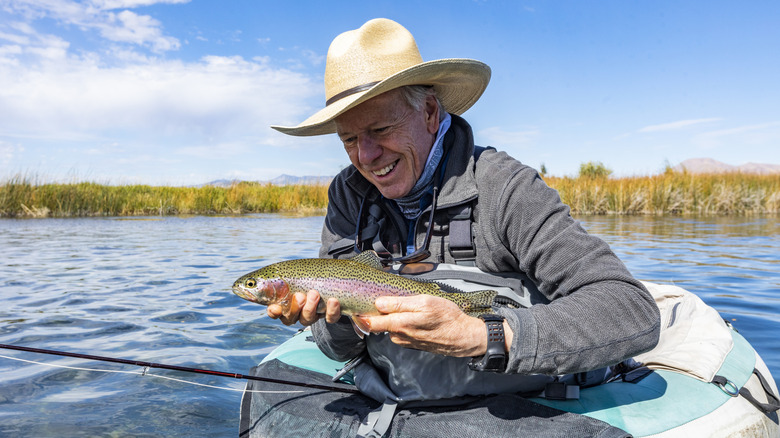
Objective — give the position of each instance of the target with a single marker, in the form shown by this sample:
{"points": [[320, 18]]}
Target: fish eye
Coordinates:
{"points": [[250, 283]]}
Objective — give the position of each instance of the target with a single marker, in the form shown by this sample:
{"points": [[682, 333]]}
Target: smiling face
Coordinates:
{"points": [[388, 141]]}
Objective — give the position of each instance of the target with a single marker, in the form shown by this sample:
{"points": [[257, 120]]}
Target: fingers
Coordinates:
{"points": [[402, 315], [332, 311], [397, 324], [302, 308], [308, 315]]}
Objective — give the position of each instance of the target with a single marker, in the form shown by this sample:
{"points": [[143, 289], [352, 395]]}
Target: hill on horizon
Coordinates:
{"points": [[281, 180], [708, 165]]}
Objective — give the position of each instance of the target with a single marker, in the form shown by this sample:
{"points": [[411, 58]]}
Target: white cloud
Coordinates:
{"points": [[122, 27], [673, 126], [14, 38], [7, 153], [211, 96], [506, 139], [118, 108], [129, 27], [741, 136], [121, 4], [142, 105]]}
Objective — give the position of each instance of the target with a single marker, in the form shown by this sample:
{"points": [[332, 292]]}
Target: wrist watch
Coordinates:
{"points": [[494, 359]]}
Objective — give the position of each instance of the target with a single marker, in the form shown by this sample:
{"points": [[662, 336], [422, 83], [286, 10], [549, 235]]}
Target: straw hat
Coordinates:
{"points": [[380, 56]]}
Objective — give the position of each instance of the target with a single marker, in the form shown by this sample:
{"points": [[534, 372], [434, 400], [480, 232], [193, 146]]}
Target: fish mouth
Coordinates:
{"points": [[244, 294]]}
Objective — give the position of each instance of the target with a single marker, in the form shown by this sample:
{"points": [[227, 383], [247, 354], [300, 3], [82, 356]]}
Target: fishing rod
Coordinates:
{"points": [[179, 368]]}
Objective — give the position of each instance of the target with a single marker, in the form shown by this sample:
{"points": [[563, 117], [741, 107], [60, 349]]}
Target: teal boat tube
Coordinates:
{"points": [[704, 379]]}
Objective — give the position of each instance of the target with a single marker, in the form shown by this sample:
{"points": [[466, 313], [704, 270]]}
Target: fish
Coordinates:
{"points": [[356, 283]]}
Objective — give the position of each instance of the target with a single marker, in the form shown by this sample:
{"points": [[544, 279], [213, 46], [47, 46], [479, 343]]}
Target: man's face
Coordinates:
{"points": [[388, 141]]}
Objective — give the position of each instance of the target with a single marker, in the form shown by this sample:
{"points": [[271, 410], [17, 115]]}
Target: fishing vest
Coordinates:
{"points": [[398, 376], [403, 375]]}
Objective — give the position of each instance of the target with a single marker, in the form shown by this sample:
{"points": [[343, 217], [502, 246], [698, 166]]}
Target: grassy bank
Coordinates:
{"points": [[20, 198], [668, 193], [672, 193]]}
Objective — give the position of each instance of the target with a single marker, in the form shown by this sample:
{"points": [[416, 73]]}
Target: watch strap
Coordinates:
{"points": [[494, 359]]}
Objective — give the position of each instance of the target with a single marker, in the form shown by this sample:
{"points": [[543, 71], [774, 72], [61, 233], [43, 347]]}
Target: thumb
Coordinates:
{"points": [[387, 304], [391, 304]]}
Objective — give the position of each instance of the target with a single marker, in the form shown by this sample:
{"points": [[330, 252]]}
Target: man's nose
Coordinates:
{"points": [[368, 149]]}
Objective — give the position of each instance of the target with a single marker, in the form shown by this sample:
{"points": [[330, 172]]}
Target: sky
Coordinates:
{"points": [[183, 92]]}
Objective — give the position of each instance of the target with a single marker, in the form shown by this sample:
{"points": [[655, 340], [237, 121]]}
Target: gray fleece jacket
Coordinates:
{"points": [[598, 314]]}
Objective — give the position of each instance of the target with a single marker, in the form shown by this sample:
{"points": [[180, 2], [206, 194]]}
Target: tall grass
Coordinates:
{"points": [[672, 193], [21, 198]]}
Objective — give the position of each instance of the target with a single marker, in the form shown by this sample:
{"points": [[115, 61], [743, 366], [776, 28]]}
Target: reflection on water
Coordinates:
{"points": [[158, 290]]}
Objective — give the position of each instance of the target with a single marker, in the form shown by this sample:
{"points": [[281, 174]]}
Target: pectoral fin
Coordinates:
{"points": [[360, 325]]}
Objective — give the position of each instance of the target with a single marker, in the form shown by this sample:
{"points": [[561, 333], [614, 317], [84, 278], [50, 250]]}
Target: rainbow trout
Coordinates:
{"points": [[355, 282]]}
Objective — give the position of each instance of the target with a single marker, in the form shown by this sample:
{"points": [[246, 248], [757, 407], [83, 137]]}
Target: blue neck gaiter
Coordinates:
{"points": [[410, 204]]}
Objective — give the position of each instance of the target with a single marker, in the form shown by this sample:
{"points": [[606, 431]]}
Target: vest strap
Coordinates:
{"points": [[378, 421], [560, 391], [461, 239]]}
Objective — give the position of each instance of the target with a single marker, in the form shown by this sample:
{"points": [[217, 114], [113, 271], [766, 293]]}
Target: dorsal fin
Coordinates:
{"points": [[369, 258]]}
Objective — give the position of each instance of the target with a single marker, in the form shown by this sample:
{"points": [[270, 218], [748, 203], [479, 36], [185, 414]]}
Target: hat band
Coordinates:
{"points": [[350, 92]]}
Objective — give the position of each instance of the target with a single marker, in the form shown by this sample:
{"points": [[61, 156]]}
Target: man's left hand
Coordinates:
{"points": [[429, 323]]}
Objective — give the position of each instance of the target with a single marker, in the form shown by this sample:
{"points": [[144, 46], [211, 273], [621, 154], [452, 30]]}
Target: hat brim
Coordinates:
{"points": [[459, 83]]}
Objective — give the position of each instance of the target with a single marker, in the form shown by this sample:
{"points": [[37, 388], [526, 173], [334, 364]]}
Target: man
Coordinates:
{"points": [[410, 158]]}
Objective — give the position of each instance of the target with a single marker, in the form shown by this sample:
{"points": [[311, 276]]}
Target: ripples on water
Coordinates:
{"points": [[158, 290], [155, 290]]}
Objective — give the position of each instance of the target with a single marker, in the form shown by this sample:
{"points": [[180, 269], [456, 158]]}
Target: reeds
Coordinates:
{"points": [[21, 198], [670, 193]]}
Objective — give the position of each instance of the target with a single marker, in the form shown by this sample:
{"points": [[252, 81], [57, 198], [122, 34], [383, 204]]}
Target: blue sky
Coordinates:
{"points": [[183, 92]]}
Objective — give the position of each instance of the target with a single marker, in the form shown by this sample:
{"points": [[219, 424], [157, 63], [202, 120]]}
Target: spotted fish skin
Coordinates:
{"points": [[356, 283]]}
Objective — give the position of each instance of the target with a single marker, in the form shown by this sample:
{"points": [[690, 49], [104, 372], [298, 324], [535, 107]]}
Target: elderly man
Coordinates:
{"points": [[418, 188]]}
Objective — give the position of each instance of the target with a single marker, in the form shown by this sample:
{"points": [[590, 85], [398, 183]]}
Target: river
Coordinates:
{"points": [[157, 289]]}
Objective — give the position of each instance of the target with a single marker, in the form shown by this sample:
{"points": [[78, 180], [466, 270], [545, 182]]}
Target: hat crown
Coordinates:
{"points": [[367, 55], [381, 56]]}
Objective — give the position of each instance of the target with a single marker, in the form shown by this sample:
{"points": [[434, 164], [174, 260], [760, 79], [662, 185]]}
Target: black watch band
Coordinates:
{"points": [[494, 359]]}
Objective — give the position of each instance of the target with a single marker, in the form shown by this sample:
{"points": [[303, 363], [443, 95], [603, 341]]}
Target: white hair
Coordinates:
{"points": [[415, 96]]}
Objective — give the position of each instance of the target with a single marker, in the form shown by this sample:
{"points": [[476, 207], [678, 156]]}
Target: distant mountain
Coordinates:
{"points": [[221, 183], [281, 180], [708, 165], [289, 180]]}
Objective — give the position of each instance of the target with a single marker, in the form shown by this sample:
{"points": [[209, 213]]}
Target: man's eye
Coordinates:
{"points": [[348, 141], [382, 129]]}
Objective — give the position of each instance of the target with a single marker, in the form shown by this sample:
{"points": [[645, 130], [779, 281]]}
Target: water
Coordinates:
{"points": [[158, 290]]}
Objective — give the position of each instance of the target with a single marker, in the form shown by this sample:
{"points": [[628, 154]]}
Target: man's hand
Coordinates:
{"points": [[304, 309], [429, 323]]}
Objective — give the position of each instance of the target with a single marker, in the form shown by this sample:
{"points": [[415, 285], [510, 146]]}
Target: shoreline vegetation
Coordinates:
{"points": [[669, 193]]}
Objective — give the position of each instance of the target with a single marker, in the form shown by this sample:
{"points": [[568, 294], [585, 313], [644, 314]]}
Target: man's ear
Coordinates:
{"points": [[431, 114]]}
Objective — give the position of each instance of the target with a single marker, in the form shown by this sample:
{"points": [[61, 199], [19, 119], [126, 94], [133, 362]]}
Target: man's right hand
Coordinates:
{"points": [[303, 309]]}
